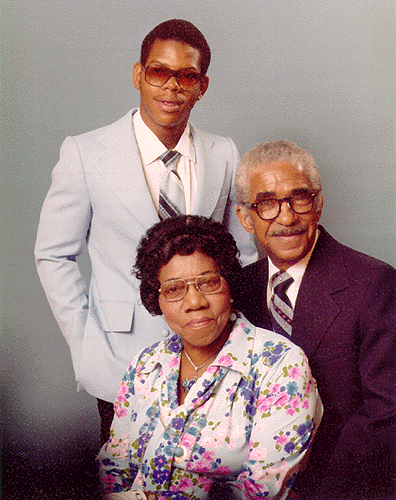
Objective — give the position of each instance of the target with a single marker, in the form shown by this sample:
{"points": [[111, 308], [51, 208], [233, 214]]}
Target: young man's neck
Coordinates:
{"points": [[169, 136]]}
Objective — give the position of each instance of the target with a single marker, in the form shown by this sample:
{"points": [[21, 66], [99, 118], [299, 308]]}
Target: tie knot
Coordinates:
{"points": [[281, 280], [169, 157]]}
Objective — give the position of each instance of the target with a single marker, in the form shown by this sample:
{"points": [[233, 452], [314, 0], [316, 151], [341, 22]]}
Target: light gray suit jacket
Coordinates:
{"points": [[99, 197]]}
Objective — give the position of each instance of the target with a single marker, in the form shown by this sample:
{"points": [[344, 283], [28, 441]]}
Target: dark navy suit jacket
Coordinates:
{"points": [[345, 321]]}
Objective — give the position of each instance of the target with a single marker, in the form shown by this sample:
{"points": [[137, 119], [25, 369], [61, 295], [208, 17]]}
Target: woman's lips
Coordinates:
{"points": [[199, 323]]}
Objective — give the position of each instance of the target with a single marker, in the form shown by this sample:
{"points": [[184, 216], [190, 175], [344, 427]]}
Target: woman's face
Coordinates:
{"points": [[199, 320]]}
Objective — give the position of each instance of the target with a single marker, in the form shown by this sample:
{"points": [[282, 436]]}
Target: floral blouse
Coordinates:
{"points": [[242, 432]]}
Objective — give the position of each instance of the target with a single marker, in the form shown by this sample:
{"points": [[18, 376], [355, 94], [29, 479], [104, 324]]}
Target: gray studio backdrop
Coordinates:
{"points": [[319, 73]]}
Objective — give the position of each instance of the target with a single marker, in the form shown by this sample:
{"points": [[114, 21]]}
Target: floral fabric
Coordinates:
{"points": [[242, 432]]}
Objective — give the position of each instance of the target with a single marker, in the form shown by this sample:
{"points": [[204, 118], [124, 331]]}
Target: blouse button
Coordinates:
{"points": [[180, 454], [179, 451]]}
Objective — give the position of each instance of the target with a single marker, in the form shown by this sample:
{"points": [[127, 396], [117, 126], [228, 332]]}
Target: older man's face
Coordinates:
{"points": [[290, 236]]}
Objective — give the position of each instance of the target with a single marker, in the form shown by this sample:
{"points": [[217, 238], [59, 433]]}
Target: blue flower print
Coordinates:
{"points": [[160, 461], [292, 388], [289, 447], [177, 423], [159, 476], [174, 347]]}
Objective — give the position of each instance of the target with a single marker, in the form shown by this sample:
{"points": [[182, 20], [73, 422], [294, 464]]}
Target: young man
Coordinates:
{"points": [[108, 189], [339, 306]]}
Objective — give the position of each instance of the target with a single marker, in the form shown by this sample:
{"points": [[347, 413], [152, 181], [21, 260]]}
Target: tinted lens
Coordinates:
{"points": [[188, 79], [173, 290], [157, 75], [209, 283]]}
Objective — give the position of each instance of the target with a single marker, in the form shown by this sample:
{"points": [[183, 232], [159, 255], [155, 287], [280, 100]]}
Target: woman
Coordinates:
{"points": [[221, 409]]}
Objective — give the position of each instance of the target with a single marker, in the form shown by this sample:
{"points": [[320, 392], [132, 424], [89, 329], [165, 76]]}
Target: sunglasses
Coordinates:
{"points": [[187, 79]]}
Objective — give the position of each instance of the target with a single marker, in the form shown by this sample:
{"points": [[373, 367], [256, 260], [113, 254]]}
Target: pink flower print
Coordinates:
{"points": [[282, 440], [221, 431], [209, 455], [207, 442], [308, 389], [223, 470], [188, 440], [257, 454], [274, 389], [122, 392], [184, 484], [236, 432], [294, 373], [251, 489], [225, 360], [264, 403], [282, 401], [139, 479], [122, 446], [121, 411], [173, 362], [211, 369], [204, 483], [109, 480], [205, 464], [305, 404], [295, 402], [290, 411]]}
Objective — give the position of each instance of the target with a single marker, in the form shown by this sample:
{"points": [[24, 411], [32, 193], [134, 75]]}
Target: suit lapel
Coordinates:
{"points": [[210, 175], [120, 166], [315, 309]]}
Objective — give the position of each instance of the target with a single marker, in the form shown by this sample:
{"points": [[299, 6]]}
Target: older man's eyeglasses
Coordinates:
{"points": [[270, 208], [187, 79], [176, 289]]}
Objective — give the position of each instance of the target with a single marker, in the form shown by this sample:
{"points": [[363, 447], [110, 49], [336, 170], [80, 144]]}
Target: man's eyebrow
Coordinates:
{"points": [[265, 195], [271, 194], [159, 63]]}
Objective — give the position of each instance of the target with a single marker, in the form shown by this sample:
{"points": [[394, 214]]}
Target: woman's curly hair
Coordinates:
{"points": [[183, 235]]}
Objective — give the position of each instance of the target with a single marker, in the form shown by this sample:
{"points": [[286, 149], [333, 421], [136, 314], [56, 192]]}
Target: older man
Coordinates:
{"points": [[339, 305]]}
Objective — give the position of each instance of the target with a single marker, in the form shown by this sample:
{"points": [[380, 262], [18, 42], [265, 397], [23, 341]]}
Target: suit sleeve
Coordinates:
{"points": [[364, 456], [62, 232], [245, 240]]}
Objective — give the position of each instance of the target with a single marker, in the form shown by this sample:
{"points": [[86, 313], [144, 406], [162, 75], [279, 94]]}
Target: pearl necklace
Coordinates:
{"points": [[189, 382]]}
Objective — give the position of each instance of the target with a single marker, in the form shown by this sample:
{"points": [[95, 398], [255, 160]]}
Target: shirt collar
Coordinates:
{"points": [[151, 147], [297, 271]]}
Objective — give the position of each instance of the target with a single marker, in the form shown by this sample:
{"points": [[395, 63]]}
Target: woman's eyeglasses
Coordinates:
{"points": [[176, 289]]}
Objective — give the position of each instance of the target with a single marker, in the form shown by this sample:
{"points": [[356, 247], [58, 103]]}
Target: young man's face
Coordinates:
{"points": [[168, 107], [289, 237]]}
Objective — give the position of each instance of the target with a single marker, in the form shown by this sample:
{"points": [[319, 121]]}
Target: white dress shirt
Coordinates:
{"points": [[296, 272], [150, 148]]}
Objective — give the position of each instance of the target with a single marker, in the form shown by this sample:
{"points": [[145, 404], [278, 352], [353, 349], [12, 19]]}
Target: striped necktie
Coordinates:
{"points": [[171, 198], [281, 310]]}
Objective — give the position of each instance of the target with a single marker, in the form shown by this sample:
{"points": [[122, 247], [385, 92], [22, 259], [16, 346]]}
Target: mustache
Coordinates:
{"points": [[291, 231]]}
